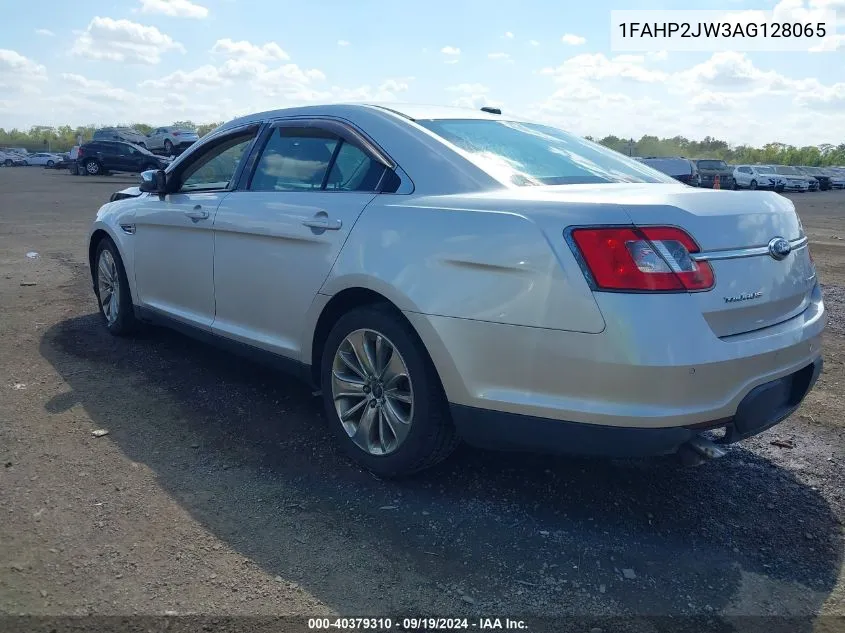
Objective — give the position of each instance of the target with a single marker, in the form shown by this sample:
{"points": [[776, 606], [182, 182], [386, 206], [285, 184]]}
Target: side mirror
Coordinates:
{"points": [[154, 181]]}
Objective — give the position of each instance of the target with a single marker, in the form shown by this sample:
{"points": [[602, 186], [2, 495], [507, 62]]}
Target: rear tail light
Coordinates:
{"points": [[79, 152], [176, 133], [656, 259]]}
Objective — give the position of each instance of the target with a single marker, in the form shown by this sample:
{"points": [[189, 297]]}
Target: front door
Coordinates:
{"points": [[174, 253], [277, 240]]}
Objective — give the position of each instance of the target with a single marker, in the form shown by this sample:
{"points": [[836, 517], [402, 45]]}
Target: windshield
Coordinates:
{"points": [[712, 164], [527, 154], [765, 170], [782, 169]]}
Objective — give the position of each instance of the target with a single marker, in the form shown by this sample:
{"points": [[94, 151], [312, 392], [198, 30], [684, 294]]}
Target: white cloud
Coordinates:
{"points": [[451, 51], [714, 102], [598, 66], [247, 50], [829, 44], [19, 73], [573, 40], [502, 57], [45, 32], [203, 78], [472, 96], [658, 56], [823, 98], [123, 41], [388, 90], [534, 42], [174, 8], [342, 43], [96, 89], [508, 35]]}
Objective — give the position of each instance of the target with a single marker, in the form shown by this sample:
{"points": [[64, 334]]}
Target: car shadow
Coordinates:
{"points": [[244, 450]]}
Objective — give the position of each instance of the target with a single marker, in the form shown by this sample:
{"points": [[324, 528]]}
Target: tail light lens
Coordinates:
{"points": [[656, 259], [176, 133], [79, 152]]}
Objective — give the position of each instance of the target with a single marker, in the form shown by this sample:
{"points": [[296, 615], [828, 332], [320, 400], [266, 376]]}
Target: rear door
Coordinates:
{"points": [[277, 238]]}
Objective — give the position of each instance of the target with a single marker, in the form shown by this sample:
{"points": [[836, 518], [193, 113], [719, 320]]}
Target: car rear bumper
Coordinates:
{"points": [[762, 408], [650, 369]]}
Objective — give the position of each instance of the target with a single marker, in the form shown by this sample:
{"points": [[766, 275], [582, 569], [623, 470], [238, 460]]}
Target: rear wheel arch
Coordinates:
{"points": [[342, 303]]}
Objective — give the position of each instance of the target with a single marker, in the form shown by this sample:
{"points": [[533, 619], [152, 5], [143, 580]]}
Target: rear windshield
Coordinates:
{"points": [[765, 170], [526, 154], [712, 164], [782, 169]]}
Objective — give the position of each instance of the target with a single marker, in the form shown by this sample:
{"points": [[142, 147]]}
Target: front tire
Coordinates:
{"points": [[168, 147], [50, 164], [112, 290], [382, 396], [753, 185]]}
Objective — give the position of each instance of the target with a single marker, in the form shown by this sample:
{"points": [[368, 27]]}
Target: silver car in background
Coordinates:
{"points": [[442, 274], [795, 180], [170, 139]]}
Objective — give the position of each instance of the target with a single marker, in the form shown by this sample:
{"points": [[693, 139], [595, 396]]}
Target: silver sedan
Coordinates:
{"points": [[444, 275]]}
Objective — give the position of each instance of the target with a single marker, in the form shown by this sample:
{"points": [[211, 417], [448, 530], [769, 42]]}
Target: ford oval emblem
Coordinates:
{"points": [[779, 248]]}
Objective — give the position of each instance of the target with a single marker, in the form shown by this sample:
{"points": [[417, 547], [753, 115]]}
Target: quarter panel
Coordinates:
{"points": [[461, 262]]}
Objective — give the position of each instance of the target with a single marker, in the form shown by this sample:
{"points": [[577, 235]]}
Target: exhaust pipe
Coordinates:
{"points": [[699, 450]]}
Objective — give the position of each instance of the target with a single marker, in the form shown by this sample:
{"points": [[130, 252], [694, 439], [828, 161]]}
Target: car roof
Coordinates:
{"points": [[406, 111]]}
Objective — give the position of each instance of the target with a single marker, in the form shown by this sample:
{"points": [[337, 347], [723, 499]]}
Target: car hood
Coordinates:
{"points": [[129, 192]]}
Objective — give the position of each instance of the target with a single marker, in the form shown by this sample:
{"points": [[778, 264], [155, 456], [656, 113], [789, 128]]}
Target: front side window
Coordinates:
{"points": [[216, 167], [525, 154]]}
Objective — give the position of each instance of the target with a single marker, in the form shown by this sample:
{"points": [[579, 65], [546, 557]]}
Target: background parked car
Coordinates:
{"points": [[45, 159], [795, 180], [9, 159], [120, 134], [678, 167], [170, 139], [837, 177], [819, 175], [709, 168], [98, 157], [757, 177]]}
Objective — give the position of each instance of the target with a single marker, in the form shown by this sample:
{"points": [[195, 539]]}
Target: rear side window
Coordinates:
{"points": [[294, 159], [353, 170], [525, 154]]}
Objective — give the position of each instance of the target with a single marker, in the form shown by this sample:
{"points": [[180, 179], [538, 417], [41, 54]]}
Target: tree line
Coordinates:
{"points": [[62, 138], [770, 154]]}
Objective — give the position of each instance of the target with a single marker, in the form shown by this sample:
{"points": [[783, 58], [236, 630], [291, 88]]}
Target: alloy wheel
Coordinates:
{"points": [[372, 392], [108, 286]]}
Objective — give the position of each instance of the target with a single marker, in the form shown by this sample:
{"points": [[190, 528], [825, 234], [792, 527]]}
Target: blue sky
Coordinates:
{"points": [[157, 61]]}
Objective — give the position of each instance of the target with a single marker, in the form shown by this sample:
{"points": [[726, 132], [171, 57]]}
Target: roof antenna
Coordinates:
{"points": [[491, 110]]}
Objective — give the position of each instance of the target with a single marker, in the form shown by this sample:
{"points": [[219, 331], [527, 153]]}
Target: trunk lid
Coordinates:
{"points": [[753, 289]]}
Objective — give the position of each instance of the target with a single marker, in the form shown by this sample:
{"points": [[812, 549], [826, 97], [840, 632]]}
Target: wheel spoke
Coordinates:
{"points": [[394, 373], [103, 268], [384, 354], [351, 361], [351, 411], [364, 432], [398, 427], [401, 396]]}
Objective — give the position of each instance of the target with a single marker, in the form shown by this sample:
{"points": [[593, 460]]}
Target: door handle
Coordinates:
{"points": [[323, 223], [197, 214]]}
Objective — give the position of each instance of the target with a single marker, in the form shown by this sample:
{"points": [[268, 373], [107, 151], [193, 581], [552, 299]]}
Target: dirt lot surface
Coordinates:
{"points": [[217, 489]]}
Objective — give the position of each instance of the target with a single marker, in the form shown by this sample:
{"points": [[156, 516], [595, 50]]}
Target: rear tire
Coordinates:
{"points": [[112, 286], [168, 147], [93, 168], [429, 435]]}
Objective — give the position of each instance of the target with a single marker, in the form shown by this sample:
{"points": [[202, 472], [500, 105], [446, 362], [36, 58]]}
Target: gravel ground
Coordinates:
{"points": [[218, 491]]}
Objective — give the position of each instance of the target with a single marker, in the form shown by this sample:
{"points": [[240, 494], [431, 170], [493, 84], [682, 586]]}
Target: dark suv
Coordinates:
{"points": [[99, 157], [678, 167], [709, 168]]}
